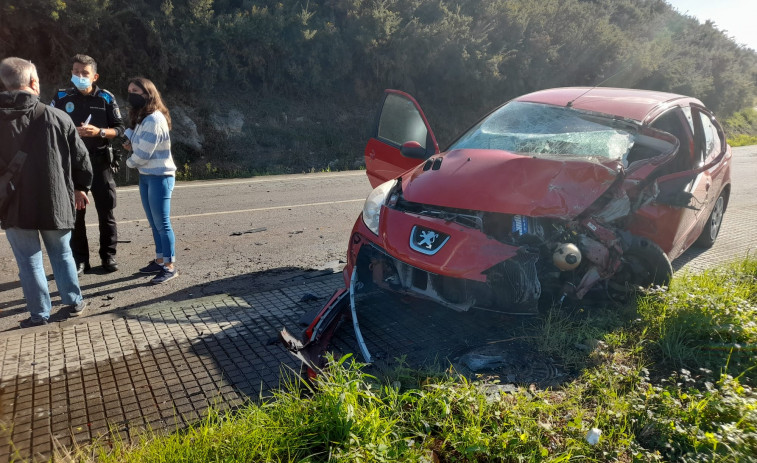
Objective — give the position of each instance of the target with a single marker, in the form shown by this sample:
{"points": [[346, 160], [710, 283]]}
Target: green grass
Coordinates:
{"points": [[706, 319], [667, 380], [741, 127]]}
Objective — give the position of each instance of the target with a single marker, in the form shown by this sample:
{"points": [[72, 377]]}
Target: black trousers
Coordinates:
{"points": [[104, 193]]}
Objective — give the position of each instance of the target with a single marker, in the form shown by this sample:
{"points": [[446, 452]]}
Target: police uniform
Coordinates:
{"points": [[101, 105]]}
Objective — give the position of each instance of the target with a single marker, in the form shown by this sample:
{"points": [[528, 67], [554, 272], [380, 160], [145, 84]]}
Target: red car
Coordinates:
{"points": [[565, 192]]}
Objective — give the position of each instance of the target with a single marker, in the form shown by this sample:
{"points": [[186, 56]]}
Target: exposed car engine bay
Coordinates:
{"points": [[553, 257]]}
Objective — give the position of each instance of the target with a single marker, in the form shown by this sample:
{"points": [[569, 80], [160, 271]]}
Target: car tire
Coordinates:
{"points": [[714, 222], [644, 264]]}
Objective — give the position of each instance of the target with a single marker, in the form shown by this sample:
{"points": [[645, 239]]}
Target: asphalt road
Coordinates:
{"points": [[241, 236], [233, 237]]}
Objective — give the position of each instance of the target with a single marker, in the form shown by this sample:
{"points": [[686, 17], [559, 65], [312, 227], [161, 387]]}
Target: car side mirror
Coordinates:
{"points": [[413, 149], [674, 190]]}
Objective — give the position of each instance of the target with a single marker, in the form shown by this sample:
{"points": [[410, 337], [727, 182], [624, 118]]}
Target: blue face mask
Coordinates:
{"points": [[82, 83]]}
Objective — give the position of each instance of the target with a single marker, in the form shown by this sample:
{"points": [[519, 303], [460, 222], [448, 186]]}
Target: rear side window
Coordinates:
{"points": [[401, 122]]}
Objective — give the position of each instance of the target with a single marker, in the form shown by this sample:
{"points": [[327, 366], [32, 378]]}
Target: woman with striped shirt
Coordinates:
{"points": [[150, 143]]}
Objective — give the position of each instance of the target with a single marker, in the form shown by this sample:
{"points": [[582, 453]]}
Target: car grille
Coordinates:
{"points": [[511, 287], [502, 227], [464, 217]]}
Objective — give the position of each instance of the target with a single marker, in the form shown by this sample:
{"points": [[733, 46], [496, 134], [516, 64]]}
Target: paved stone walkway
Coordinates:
{"points": [[159, 366]]}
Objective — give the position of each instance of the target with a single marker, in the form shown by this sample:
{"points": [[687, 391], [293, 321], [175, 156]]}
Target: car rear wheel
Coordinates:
{"points": [[712, 228], [644, 264]]}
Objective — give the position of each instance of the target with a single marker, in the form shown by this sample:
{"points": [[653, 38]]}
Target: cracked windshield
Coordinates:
{"points": [[549, 131]]}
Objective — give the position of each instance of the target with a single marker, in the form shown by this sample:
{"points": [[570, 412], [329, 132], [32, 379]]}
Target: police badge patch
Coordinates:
{"points": [[117, 112], [70, 107]]}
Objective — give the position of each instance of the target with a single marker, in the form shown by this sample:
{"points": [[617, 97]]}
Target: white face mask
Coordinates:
{"points": [[82, 83]]}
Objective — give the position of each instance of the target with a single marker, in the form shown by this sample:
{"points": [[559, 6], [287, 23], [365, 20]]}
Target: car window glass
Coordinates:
{"points": [[711, 136], [671, 123], [541, 130], [401, 122]]}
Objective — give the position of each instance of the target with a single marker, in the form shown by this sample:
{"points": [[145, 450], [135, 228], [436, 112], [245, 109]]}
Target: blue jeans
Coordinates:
{"points": [[155, 191], [28, 251]]}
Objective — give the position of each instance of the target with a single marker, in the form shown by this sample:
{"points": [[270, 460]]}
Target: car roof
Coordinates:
{"points": [[638, 105]]}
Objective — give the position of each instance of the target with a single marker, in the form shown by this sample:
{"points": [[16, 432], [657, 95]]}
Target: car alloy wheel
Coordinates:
{"points": [[716, 218], [712, 228]]}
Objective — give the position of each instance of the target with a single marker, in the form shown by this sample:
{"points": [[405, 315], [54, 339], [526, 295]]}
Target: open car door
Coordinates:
{"points": [[401, 138], [691, 191]]}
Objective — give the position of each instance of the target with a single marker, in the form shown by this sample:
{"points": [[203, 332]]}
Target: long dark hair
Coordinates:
{"points": [[154, 102]]}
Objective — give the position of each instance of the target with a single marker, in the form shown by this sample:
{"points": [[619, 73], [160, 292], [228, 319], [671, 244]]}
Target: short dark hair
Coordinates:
{"points": [[87, 61]]}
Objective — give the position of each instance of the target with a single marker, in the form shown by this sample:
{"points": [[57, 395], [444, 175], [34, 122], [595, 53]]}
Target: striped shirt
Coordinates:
{"points": [[151, 145]]}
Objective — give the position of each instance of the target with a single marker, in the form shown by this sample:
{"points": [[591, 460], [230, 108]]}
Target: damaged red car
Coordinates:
{"points": [[561, 193]]}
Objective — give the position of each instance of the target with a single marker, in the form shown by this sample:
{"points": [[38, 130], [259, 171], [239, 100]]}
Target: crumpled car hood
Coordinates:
{"points": [[504, 182]]}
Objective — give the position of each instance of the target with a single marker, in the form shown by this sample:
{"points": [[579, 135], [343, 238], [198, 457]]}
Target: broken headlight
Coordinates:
{"points": [[372, 206]]}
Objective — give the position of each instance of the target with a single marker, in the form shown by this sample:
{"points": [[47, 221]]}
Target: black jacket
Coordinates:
{"points": [[101, 105], [57, 163]]}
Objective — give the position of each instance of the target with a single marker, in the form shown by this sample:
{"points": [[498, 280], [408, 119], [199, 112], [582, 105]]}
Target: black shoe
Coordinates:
{"points": [[82, 267], [152, 267], [110, 265], [165, 275], [28, 323]]}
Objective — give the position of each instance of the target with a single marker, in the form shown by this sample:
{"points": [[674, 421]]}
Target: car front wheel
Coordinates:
{"points": [[712, 227], [644, 264]]}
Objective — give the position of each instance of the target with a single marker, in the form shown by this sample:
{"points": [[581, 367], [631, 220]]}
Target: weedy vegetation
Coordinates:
{"points": [[670, 378], [742, 140], [741, 127]]}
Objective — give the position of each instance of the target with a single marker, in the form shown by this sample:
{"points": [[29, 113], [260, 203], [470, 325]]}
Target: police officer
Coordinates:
{"points": [[95, 113]]}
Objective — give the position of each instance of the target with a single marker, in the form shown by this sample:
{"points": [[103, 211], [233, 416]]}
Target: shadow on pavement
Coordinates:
{"points": [[237, 330], [58, 312], [690, 255], [101, 294]]}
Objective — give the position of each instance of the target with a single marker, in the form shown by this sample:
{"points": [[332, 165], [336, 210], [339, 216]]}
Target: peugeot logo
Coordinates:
{"points": [[427, 241]]}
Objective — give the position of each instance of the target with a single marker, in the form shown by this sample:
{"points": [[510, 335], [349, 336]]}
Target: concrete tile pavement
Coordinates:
{"points": [[737, 239], [159, 366]]}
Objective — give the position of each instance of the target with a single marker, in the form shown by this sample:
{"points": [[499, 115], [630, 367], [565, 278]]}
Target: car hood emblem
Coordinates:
{"points": [[427, 241]]}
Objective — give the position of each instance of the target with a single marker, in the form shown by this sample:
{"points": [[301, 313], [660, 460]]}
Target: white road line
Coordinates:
{"points": [[258, 209], [240, 211], [271, 179]]}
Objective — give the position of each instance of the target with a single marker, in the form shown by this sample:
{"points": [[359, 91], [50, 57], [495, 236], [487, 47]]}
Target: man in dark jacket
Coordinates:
{"points": [[95, 113], [49, 187]]}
